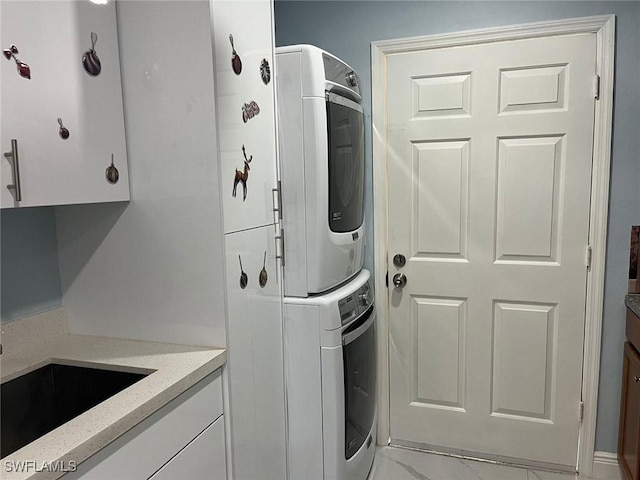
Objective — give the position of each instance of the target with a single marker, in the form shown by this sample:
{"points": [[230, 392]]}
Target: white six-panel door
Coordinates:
{"points": [[489, 171]]}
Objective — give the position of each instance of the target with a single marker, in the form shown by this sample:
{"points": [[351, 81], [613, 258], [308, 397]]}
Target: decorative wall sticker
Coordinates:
{"points": [[112, 173], [243, 276], [265, 71], [90, 60], [63, 132], [263, 277], [23, 68], [236, 63], [249, 110], [242, 176]]}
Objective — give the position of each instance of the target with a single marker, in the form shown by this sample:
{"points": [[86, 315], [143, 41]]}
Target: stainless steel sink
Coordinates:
{"points": [[40, 401]]}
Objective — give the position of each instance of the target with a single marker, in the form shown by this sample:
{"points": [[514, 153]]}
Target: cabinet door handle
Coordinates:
{"points": [[13, 155], [277, 200], [280, 239], [636, 379]]}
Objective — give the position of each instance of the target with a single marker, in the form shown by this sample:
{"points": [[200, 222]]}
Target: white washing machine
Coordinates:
{"points": [[330, 345]]}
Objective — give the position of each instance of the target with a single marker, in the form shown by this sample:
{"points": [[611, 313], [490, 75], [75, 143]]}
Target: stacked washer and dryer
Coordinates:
{"points": [[330, 339]]}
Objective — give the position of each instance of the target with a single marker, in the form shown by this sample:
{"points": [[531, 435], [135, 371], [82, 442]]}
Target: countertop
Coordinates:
{"points": [[175, 368], [632, 301]]}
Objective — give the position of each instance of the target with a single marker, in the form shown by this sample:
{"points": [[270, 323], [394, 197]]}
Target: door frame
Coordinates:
{"points": [[604, 28]]}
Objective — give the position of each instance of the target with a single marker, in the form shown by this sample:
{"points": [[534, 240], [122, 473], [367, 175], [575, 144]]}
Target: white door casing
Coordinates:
{"points": [[500, 141]]}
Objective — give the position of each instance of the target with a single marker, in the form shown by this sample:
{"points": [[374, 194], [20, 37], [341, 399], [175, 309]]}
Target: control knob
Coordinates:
{"points": [[363, 298], [352, 80]]}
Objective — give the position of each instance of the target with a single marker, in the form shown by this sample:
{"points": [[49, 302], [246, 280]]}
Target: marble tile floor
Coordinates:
{"points": [[402, 464]]}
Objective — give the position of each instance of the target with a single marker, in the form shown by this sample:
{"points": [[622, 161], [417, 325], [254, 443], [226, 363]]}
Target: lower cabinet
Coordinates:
{"points": [[202, 458], [629, 436], [184, 439], [255, 355]]}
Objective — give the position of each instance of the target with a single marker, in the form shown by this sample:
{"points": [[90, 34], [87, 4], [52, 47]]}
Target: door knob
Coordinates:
{"points": [[399, 260], [399, 280]]}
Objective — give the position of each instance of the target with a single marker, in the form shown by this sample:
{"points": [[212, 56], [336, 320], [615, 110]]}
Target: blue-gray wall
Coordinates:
{"points": [[346, 29], [30, 278]]}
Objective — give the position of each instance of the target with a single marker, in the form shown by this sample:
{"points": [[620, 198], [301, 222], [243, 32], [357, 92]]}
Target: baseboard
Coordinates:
{"points": [[605, 466]]}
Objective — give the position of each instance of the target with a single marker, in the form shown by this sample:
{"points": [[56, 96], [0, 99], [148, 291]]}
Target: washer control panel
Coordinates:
{"points": [[356, 303]]}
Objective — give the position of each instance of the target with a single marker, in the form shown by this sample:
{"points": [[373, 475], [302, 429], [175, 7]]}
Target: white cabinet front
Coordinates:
{"points": [[142, 451], [255, 362], [203, 458], [245, 108], [62, 104]]}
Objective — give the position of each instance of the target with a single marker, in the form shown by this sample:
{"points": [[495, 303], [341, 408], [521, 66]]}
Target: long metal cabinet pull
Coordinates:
{"points": [[281, 239], [13, 155], [278, 199]]}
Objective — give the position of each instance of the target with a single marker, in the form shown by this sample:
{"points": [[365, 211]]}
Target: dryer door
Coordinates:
{"points": [[345, 128]]}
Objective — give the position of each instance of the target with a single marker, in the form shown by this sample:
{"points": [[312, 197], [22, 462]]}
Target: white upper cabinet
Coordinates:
{"points": [[245, 107], [67, 95]]}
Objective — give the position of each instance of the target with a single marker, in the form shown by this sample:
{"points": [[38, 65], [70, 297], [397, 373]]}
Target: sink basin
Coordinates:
{"points": [[42, 400]]}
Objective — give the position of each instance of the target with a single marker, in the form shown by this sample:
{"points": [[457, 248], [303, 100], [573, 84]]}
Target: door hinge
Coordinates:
{"points": [[596, 87], [281, 242], [588, 256], [277, 201], [580, 411]]}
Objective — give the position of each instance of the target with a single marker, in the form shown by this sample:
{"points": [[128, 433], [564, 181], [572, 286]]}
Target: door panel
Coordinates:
{"points": [[438, 362], [440, 204], [528, 196], [489, 170]]}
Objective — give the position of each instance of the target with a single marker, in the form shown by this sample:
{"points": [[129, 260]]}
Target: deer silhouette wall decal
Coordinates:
{"points": [[242, 176]]}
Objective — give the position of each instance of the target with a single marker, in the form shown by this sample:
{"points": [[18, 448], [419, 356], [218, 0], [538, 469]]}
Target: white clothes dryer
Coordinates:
{"points": [[321, 152]]}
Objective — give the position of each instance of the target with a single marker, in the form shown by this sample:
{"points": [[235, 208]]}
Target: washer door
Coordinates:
{"points": [[359, 356]]}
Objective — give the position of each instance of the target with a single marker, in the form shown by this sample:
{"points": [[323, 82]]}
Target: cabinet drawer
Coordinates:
{"points": [[144, 449], [202, 458]]}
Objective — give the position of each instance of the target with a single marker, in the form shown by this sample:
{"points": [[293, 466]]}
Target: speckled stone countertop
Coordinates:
{"points": [[174, 369], [632, 301]]}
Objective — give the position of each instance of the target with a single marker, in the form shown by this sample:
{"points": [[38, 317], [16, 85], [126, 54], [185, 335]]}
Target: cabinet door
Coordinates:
{"points": [[629, 442], [143, 450], [249, 23], [52, 38], [255, 356], [203, 458]]}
